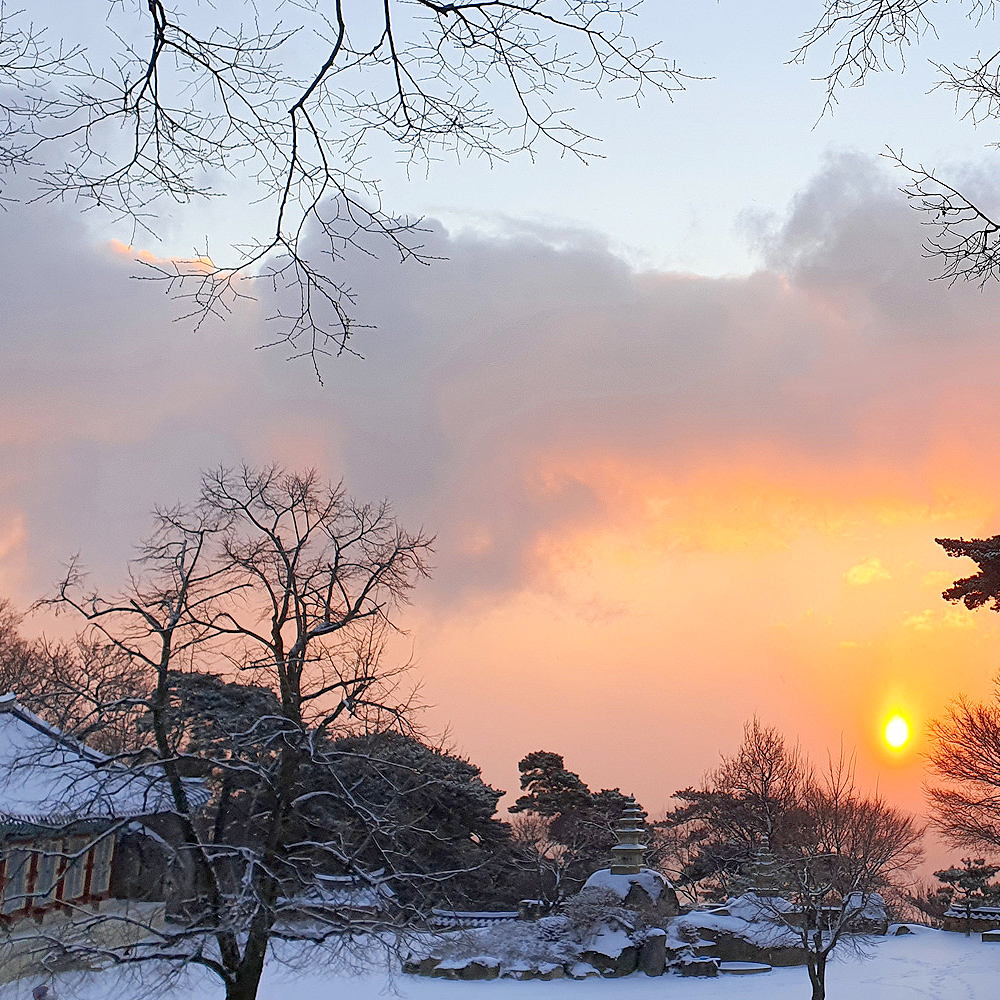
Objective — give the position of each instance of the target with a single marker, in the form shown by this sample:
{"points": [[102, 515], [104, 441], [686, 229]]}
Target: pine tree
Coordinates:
{"points": [[970, 885]]}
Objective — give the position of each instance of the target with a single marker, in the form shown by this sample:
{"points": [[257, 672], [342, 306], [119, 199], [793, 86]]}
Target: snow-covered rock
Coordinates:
{"points": [[746, 929], [592, 936], [646, 891]]}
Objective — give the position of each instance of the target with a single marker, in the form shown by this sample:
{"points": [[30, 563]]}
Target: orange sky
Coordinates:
{"points": [[638, 648]]}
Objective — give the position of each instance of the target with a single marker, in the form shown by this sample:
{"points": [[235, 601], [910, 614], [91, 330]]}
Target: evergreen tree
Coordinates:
{"points": [[970, 885], [571, 829]]}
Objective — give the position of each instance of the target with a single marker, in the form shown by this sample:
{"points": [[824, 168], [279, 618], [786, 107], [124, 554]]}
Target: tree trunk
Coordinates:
{"points": [[817, 976], [245, 985], [247, 980]]}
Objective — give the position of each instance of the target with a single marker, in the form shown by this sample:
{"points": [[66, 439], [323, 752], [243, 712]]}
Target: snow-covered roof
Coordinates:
{"points": [[470, 918], [977, 912], [343, 892], [48, 779], [868, 905]]}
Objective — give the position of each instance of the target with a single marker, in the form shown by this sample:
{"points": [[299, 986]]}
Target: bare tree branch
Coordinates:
{"points": [[292, 109]]}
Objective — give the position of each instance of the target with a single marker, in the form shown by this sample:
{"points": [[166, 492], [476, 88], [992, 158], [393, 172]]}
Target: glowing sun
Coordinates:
{"points": [[897, 732]]}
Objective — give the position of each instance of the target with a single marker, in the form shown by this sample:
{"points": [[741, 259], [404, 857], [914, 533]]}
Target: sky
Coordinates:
{"points": [[685, 423]]}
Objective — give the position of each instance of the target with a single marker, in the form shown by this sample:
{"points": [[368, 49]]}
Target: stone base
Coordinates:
{"points": [[701, 968], [743, 968]]}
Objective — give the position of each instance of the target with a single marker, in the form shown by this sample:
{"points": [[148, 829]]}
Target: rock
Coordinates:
{"points": [[479, 970], [653, 953], [901, 929], [549, 971], [463, 968], [663, 907], [646, 891], [519, 971], [611, 967], [732, 948], [420, 966], [581, 970], [701, 967]]}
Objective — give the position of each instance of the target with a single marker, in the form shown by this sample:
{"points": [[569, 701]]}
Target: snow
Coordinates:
{"points": [[746, 917], [621, 885], [750, 906], [744, 967], [611, 942], [915, 966], [49, 780], [870, 906]]}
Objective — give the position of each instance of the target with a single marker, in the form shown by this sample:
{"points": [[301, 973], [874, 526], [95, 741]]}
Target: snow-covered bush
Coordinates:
{"points": [[592, 911]]}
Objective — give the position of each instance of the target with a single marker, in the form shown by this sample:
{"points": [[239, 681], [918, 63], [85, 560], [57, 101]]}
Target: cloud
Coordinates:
{"points": [[931, 619], [868, 571], [13, 549], [645, 486], [527, 388]]}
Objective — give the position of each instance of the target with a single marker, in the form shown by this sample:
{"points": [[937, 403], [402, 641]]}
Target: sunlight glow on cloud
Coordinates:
{"points": [[13, 551], [867, 572]]}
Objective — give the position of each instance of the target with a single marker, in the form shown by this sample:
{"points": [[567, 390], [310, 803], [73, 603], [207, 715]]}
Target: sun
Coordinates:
{"points": [[897, 732]]}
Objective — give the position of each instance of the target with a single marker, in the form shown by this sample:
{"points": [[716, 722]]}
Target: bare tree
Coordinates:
{"points": [[863, 37], [965, 758], [751, 802], [811, 849], [62, 681], [288, 585], [18, 660], [766, 775], [290, 102], [27, 65], [858, 846], [541, 855]]}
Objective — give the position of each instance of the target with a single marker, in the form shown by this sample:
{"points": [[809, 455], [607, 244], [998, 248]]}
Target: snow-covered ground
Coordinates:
{"points": [[925, 964]]}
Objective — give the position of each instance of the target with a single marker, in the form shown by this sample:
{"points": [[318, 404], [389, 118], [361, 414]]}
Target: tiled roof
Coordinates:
{"points": [[47, 779]]}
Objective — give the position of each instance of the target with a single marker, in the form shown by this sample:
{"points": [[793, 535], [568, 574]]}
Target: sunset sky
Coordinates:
{"points": [[685, 422]]}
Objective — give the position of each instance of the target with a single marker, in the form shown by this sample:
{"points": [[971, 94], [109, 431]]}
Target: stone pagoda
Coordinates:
{"points": [[763, 874], [629, 854], [637, 887]]}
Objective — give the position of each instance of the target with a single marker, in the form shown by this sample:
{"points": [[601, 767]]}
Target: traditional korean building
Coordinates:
{"points": [[63, 807]]}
